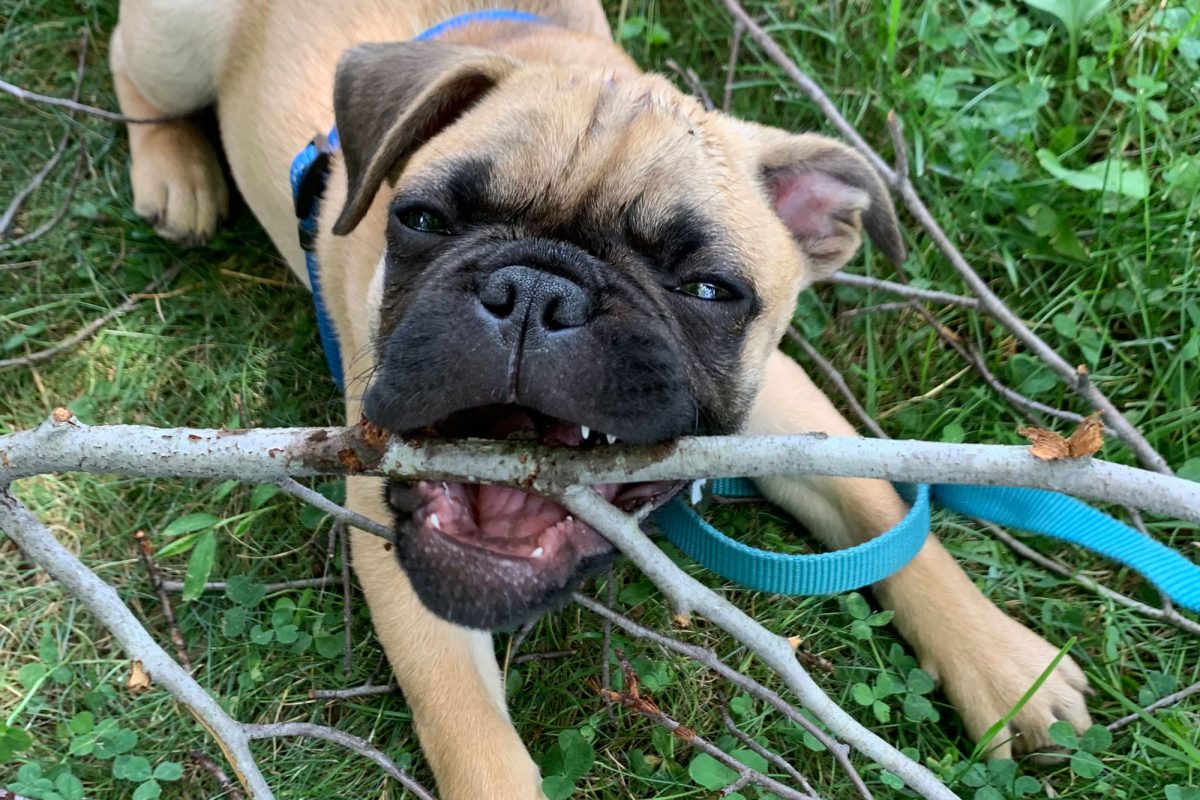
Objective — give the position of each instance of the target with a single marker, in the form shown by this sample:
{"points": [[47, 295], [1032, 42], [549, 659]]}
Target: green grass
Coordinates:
{"points": [[1111, 282]]}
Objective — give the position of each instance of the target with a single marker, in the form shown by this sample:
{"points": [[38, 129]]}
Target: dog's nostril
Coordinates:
{"points": [[499, 301], [550, 302], [569, 309]]}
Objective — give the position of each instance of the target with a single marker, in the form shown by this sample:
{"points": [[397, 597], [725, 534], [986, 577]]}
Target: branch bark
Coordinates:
{"points": [[69, 446]]}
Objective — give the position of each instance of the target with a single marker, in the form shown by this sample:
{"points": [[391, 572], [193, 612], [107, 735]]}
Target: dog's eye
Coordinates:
{"points": [[704, 290], [423, 220]]}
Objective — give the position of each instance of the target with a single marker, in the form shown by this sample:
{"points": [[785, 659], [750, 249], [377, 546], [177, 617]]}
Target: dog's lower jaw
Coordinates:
{"points": [[470, 590]]}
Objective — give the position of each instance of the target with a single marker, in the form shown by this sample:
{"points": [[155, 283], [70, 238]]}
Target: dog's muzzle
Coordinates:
{"points": [[529, 341]]}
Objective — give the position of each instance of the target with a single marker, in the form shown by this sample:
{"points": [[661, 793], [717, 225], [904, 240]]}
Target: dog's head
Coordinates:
{"points": [[580, 256]]}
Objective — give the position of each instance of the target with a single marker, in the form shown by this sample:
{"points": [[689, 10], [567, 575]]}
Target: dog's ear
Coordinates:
{"points": [[825, 193], [389, 99]]}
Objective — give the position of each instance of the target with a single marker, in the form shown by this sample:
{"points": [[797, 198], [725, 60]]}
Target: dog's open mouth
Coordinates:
{"points": [[500, 542]]}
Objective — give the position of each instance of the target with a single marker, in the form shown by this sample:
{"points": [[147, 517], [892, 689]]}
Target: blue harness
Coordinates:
{"points": [[1041, 512]]}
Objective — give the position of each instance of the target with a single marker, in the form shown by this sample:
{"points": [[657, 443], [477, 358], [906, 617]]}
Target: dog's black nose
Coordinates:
{"points": [[534, 298]]}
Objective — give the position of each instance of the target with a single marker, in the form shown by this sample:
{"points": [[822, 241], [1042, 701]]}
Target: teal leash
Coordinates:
{"points": [[1046, 513]]}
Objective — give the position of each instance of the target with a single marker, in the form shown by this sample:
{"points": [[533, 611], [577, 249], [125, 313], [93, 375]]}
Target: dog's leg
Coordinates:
{"points": [[449, 676], [984, 659], [164, 60]]}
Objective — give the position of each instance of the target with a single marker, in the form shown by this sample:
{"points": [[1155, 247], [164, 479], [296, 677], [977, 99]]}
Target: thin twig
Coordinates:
{"points": [[89, 329], [896, 128], [694, 84], [902, 289], [320, 501], [708, 658], [977, 362], [307, 730], [146, 553], [10, 213], [347, 589], [780, 763], [633, 700], [366, 690], [735, 49], [839, 382], [62, 102], [520, 636], [59, 215], [1169, 700], [270, 588], [218, 774], [543, 655], [988, 299], [1167, 615], [878, 308]]}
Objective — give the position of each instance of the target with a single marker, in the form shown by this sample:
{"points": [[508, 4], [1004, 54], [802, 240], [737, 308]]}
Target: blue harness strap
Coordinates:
{"points": [[1046, 513]]}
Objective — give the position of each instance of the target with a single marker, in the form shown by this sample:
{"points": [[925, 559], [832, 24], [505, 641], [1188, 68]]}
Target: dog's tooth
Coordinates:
{"points": [[611, 439], [437, 525], [585, 431], [537, 553], [697, 490]]}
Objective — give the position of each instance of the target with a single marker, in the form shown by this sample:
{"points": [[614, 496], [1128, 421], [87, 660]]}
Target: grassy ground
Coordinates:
{"points": [[1005, 109]]}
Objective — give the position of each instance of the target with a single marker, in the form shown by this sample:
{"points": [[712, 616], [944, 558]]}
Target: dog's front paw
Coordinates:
{"points": [[478, 776], [177, 182], [987, 675]]}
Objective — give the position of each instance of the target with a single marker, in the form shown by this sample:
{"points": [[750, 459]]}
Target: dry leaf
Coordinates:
{"points": [[1046, 445], [139, 679], [1087, 438]]}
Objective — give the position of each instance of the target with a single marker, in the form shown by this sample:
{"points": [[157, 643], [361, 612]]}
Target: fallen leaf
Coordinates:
{"points": [[1044, 444], [139, 679], [1087, 438]]}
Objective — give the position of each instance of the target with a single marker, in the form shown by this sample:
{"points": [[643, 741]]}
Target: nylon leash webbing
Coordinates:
{"points": [[1046, 513]]}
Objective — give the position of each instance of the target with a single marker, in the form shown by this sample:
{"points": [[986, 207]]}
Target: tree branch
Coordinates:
{"points": [[307, 730], [775, 651], [233, 737], [902, 290], [1169, 700], [62, 102], [633, 700], [40, 547], [89, 329], [292, 452], [988, 299]]}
